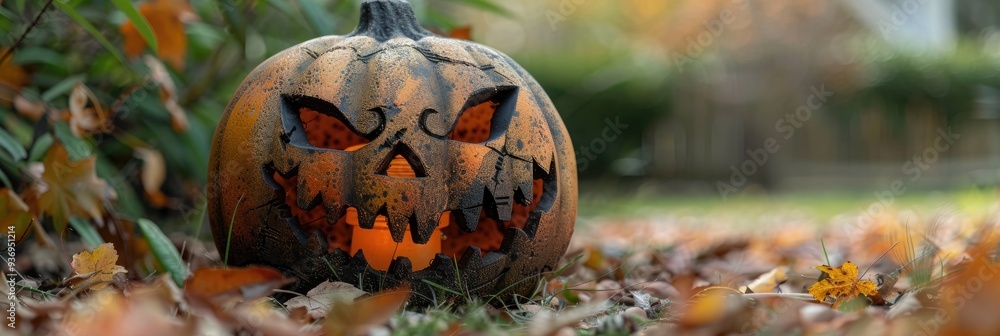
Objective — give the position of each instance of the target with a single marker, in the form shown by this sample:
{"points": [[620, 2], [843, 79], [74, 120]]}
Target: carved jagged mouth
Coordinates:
{"points": [[485, 242]]}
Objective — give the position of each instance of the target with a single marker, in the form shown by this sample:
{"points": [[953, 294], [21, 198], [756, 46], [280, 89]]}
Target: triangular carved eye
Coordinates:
{"points": [[316, 123], [486, 115]]}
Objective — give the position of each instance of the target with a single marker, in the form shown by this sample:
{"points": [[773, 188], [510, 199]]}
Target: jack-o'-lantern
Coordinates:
{"points": [[393, 155]]}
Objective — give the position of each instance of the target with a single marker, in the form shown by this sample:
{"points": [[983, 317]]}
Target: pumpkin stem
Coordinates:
{"points": [[387, 19]]}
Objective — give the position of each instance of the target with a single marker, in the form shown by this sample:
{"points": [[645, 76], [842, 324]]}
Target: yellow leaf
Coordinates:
{"points": [[164, 16], [843, 284], [97, 267], [65, 188], [714, 305]]}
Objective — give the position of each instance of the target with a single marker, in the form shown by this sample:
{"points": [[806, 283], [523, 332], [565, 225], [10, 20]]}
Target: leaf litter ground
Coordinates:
{"points": [[890, 273]]}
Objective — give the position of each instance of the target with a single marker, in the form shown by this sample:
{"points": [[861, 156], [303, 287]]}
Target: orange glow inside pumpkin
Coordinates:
{"points": [[377, 243]]}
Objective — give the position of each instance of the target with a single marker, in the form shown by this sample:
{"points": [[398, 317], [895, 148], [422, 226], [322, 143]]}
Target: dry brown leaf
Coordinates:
{"points": [[168, 94], [14, 213], [111, 313], [85, 120], [357, 318], [843, 284], [154, 173], [164, 16], [12, 78], [64, 188], [96, 268], [31, 109], [229, 284], [319, 300]]}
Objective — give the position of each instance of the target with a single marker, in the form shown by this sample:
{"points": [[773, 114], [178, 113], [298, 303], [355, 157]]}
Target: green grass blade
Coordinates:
{"points": [[11, 145], [69, 10], [139, 22], [86, 232], [229, 237], [164, 251]]}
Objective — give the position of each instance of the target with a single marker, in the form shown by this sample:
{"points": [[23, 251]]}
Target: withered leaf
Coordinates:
{"points": [[65, 188], [843, 284], [319, 300], [226, 284], [97, 267]]}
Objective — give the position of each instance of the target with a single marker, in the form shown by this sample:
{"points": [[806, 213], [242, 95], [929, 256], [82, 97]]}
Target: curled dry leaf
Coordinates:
{"points": [[768, 282], [154, 173], [843, 284], [319, 300], [86, 120], [222, 285], [31, 109], [165, 17], [63, 188], [346, 318], [168, 94], [96, 268]]}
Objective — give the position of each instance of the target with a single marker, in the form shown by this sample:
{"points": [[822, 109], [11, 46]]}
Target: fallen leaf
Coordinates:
{"points": [[461, 33], [12, 78], [714, 305], [154, 173], [165, 17], [843, 284], [319, 300], [64, 188], [87, 120], [168, 94], [767, 282], [230, 284], [31, 109], [549, 322], [14, 213], [96, 268], [357, 318]]}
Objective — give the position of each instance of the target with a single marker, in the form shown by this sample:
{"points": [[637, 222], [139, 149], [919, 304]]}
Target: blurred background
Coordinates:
{"points": [[844, 104]]}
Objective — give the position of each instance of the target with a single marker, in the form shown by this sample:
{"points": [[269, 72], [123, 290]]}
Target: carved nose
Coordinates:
{"points": [[399, 167], [404, 164]]}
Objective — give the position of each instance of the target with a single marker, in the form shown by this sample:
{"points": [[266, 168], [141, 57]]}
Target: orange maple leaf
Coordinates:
{"points": [[843, 284], [66, 188], [164, 16], [98, 267]]}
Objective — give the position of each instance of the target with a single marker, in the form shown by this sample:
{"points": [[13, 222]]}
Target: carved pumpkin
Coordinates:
{"points": [[397, 135]]}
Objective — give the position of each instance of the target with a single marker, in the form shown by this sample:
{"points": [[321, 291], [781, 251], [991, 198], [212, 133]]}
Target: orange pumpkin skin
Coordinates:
{"points": [[484, 141]]}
